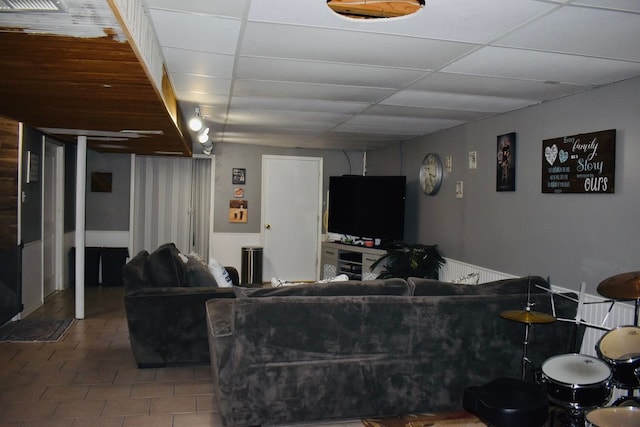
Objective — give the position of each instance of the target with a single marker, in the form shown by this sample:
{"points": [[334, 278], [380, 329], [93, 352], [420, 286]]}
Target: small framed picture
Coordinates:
{"points": [[506, 162], [238, 193], [239, 176]]}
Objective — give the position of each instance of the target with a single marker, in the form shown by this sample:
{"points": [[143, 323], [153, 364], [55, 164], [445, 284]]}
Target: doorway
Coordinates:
{"points": [[52, 218], [291, 217]]}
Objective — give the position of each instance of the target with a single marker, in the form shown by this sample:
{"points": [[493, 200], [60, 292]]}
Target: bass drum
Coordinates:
{"points": [[620, 348], [619, 416], [577, 381]]}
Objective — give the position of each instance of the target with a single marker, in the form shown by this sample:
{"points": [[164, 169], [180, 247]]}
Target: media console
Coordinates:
{"points": [[354, 261]]}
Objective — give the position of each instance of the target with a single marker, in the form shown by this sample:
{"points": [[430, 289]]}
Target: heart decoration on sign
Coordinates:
{"points": [[563, 156], [551, 153]]}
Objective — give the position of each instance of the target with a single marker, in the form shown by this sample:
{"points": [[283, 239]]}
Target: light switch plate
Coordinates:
{"points": [[459, 190], [473, 159], [448, 164]]}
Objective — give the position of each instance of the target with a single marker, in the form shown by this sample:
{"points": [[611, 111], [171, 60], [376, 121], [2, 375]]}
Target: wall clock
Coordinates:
{"points": [[431, 174]]}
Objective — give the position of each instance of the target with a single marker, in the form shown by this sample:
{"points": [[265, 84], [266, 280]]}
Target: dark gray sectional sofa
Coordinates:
{"points": [[320, 352], [165, 307]]}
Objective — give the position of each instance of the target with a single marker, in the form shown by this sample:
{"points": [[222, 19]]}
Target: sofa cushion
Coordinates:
{"points": [[134, 274], [350, 287], [197, 274], [165, 268], [520, 285]]}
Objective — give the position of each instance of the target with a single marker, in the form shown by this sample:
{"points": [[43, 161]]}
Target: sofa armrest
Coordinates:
{"points": [[168, 325]]}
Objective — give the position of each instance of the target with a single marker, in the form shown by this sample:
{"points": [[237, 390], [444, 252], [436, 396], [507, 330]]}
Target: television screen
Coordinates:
{"points": [[367, 206]]}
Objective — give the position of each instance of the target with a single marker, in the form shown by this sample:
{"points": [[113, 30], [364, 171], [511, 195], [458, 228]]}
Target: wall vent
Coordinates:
{"points": [[32, 6]]}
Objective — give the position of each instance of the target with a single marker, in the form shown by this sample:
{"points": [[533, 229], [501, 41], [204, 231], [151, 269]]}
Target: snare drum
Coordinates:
{"points": [[577, 381], [620, 348], [618, 416]]}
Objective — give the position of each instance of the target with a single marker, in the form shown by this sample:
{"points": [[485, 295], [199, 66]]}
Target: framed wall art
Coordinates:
{"points": [[506, 162], [239, 176], [582, 163]]}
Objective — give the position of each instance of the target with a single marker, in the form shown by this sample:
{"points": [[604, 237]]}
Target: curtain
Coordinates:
{"points": [[162, 203], [202, 196]]}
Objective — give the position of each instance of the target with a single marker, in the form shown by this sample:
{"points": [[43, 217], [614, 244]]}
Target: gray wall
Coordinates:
{"points": [[249, 157], [108, 211], [572, 238], [32, 192]]}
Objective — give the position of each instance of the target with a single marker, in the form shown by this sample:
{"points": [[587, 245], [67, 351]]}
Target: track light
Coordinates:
{"points": [[203, 136], [195, 124], [207, 147]]}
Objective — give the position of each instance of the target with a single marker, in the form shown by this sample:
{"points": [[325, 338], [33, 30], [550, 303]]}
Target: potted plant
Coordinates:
{"points": [[406, 260]]}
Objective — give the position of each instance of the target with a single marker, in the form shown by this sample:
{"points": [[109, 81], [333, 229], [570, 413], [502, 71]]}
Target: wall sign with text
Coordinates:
{"points": [[584, 163]]}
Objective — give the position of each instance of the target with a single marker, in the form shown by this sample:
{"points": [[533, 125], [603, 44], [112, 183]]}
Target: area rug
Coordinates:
{"points": [[41, 330], [459, 419]]}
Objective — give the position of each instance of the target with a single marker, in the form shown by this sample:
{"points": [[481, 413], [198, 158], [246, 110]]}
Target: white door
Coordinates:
{"points": [[291, 217], [50, 218]]}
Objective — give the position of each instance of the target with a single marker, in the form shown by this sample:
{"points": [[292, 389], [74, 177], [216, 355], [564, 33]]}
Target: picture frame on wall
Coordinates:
{"points": [[238, 176], [506, 162]]}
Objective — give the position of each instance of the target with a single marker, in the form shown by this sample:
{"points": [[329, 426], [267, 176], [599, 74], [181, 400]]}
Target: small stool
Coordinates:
{"points": [[507, 402]]}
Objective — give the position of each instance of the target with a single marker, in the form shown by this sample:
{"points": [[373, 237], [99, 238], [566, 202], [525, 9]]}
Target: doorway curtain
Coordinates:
{"points": [[172, 203]]}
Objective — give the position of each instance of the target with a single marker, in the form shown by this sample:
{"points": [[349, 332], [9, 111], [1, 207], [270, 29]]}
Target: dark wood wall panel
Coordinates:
{"points": [[9, 134]]}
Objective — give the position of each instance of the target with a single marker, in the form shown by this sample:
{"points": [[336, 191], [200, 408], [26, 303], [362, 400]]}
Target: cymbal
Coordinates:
{"points": [[526, 316], [621, 286]]}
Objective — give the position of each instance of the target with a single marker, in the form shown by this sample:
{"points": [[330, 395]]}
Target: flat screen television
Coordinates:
{"points": [[367, 206]]}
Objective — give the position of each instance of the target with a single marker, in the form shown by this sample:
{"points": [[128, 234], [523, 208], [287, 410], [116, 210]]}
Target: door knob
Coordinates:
{"points": [[268, 226]]}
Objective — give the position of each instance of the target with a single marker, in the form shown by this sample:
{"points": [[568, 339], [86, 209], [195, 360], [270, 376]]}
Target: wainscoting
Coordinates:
{"points": [[594, 310]]}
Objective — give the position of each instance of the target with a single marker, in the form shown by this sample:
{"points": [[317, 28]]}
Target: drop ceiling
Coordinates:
{"points": [[292, 73]]}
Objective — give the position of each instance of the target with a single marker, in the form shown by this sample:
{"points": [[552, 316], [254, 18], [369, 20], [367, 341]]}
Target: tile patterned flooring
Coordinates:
{"points": [[90, 378]]}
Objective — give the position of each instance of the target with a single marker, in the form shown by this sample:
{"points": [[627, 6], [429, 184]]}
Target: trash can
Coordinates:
{"points": [[91, 266], [113, 259], [251, 270]]}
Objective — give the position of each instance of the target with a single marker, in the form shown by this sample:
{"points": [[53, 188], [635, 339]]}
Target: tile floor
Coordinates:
{"points": [[89, 377]]}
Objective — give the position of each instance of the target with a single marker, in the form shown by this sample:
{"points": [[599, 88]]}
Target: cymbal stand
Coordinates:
{"points": [[525, 343]]}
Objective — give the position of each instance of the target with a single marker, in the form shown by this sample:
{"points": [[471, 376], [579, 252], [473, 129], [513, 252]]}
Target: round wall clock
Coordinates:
{"points": [[431, 174]]}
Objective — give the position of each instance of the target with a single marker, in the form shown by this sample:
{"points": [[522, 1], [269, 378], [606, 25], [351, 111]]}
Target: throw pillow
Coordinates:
{"points": [[134, 274], [198, 274], [220, 274], [165, 268]]}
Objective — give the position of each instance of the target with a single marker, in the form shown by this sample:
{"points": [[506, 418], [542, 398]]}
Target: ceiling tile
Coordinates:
{"points": [[318, 44], [494, 86], [324, 72], [312, 91], [629, 5], [199, 63], [476, 22], [544, 66], [583, 31], [456, 101], [316, 105], [231, 8], [192, 31], [201, 84], [434, 113]]}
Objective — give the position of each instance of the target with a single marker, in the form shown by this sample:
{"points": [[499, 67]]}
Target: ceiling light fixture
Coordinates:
{"points": [[195, 124], [203, 136], [207, 148]]}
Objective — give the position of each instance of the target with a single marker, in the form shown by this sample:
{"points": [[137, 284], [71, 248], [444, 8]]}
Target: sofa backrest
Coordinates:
{"points": [[398, 287], [520, 285]]}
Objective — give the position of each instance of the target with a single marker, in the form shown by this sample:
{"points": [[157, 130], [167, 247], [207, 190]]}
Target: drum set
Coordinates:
{"points": [[581, 385]]}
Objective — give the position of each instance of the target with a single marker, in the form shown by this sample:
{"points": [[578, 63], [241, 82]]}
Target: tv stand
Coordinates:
{"points": [[354, 261]]}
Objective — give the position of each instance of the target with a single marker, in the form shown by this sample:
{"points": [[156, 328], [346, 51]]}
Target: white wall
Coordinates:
{"points": [[570, 237]]}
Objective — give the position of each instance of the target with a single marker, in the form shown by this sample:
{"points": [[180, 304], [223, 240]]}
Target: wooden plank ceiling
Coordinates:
{"points": [[88, 86]]}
